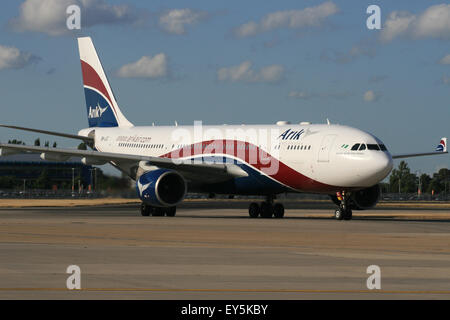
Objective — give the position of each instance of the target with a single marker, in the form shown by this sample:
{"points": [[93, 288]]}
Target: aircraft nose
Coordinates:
{"points": [[381, 166]]}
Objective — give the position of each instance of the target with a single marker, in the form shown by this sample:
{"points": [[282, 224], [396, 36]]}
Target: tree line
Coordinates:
{"points": [[37, 143], [402, 180]]}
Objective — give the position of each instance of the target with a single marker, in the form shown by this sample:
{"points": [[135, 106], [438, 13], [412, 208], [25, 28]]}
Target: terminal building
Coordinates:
{"points": [[29, 171]]}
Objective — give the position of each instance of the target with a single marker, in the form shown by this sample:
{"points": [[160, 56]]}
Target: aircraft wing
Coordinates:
{"points": [[53, 133], [440, 149], [204, 171]]}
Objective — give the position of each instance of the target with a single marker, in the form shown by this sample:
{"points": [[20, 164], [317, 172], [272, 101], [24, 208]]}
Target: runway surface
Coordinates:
{"points": [[214, 251]]}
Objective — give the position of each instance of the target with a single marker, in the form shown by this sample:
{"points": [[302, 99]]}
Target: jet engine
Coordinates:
{"points": [[365, 198], [161, 188], [362, 199]]}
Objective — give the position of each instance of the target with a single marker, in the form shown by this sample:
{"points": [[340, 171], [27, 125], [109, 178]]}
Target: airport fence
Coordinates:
{"points": [[131, 194]]}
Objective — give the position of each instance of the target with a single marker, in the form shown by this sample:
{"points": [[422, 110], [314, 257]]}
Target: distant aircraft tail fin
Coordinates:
{"points": [[442, 146], [102, 108]]}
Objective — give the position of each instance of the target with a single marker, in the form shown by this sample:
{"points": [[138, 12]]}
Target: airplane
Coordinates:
{"points": [[264, 160]]}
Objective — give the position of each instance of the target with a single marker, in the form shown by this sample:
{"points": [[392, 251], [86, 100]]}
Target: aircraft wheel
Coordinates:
{"points": [[158, 212], [253, 210], [266, 210], [171, 211], [348, 214], [278, 210], [145, 210], [339, 214]]}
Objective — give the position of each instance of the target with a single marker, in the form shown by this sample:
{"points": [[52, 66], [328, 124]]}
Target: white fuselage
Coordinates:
{"points": [[308, 158]]}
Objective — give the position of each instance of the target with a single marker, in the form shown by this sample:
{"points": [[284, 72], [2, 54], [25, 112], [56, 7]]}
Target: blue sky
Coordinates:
{"points": [[393, 82]]}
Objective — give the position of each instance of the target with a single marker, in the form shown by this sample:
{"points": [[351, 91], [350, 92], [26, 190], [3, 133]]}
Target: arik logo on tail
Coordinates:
{"points": [[291, 134], [97, 111]]}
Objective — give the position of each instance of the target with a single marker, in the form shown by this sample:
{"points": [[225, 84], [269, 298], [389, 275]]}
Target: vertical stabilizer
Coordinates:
{"points": [[442, 146], [102, 108]]}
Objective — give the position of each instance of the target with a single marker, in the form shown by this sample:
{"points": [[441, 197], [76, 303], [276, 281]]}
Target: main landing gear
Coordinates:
{"points": [[148, 210], [344, 212], [266, 209]]}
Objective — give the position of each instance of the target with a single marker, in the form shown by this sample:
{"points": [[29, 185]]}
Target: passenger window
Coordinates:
{"points": [[362, 147], [355, 147]]}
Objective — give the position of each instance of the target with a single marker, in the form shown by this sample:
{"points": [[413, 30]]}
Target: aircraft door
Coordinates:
{"points": [[325, 148]]}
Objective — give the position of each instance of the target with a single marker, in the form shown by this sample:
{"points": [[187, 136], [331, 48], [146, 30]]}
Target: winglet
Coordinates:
{"points": [[442, 146]]}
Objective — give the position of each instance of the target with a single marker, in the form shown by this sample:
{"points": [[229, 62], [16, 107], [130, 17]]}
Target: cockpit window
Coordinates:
{"points": [[370, 146]]}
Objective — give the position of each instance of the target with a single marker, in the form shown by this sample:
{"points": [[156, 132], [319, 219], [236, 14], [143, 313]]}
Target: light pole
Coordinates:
{"points": [[73, 181], [90, 183], [419, 191], [93, 182]]}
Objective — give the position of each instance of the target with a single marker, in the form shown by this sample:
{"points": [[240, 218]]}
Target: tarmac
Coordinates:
{"points": [[213, 250]]}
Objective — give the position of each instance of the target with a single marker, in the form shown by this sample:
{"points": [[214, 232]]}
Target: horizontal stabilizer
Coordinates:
{"points": [[52, 133]]}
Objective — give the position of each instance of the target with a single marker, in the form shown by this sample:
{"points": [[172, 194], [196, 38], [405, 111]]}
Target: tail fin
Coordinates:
{"points": [[442, 146], [102, 108]]}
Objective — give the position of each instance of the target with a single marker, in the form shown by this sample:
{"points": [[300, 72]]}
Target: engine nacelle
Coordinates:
{"points": [[365, 198], [93, 161], [8, 152], [50, 156], [161, 187]]}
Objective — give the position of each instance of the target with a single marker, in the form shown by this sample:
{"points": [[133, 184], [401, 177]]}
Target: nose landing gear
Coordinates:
{"points": [[344, 212]]}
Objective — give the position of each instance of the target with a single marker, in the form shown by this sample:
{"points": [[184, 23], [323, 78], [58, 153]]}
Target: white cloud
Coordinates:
{"points": [[13, 58], [371, 96], [300, 95], [294, 19], [244, 72], [445, 79], [397, 23], [49, 16], [378, 78], [145, 67], [175, 21], [434, 22], [355, 52], [247, 29], [308, 95], [445, 60]]}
